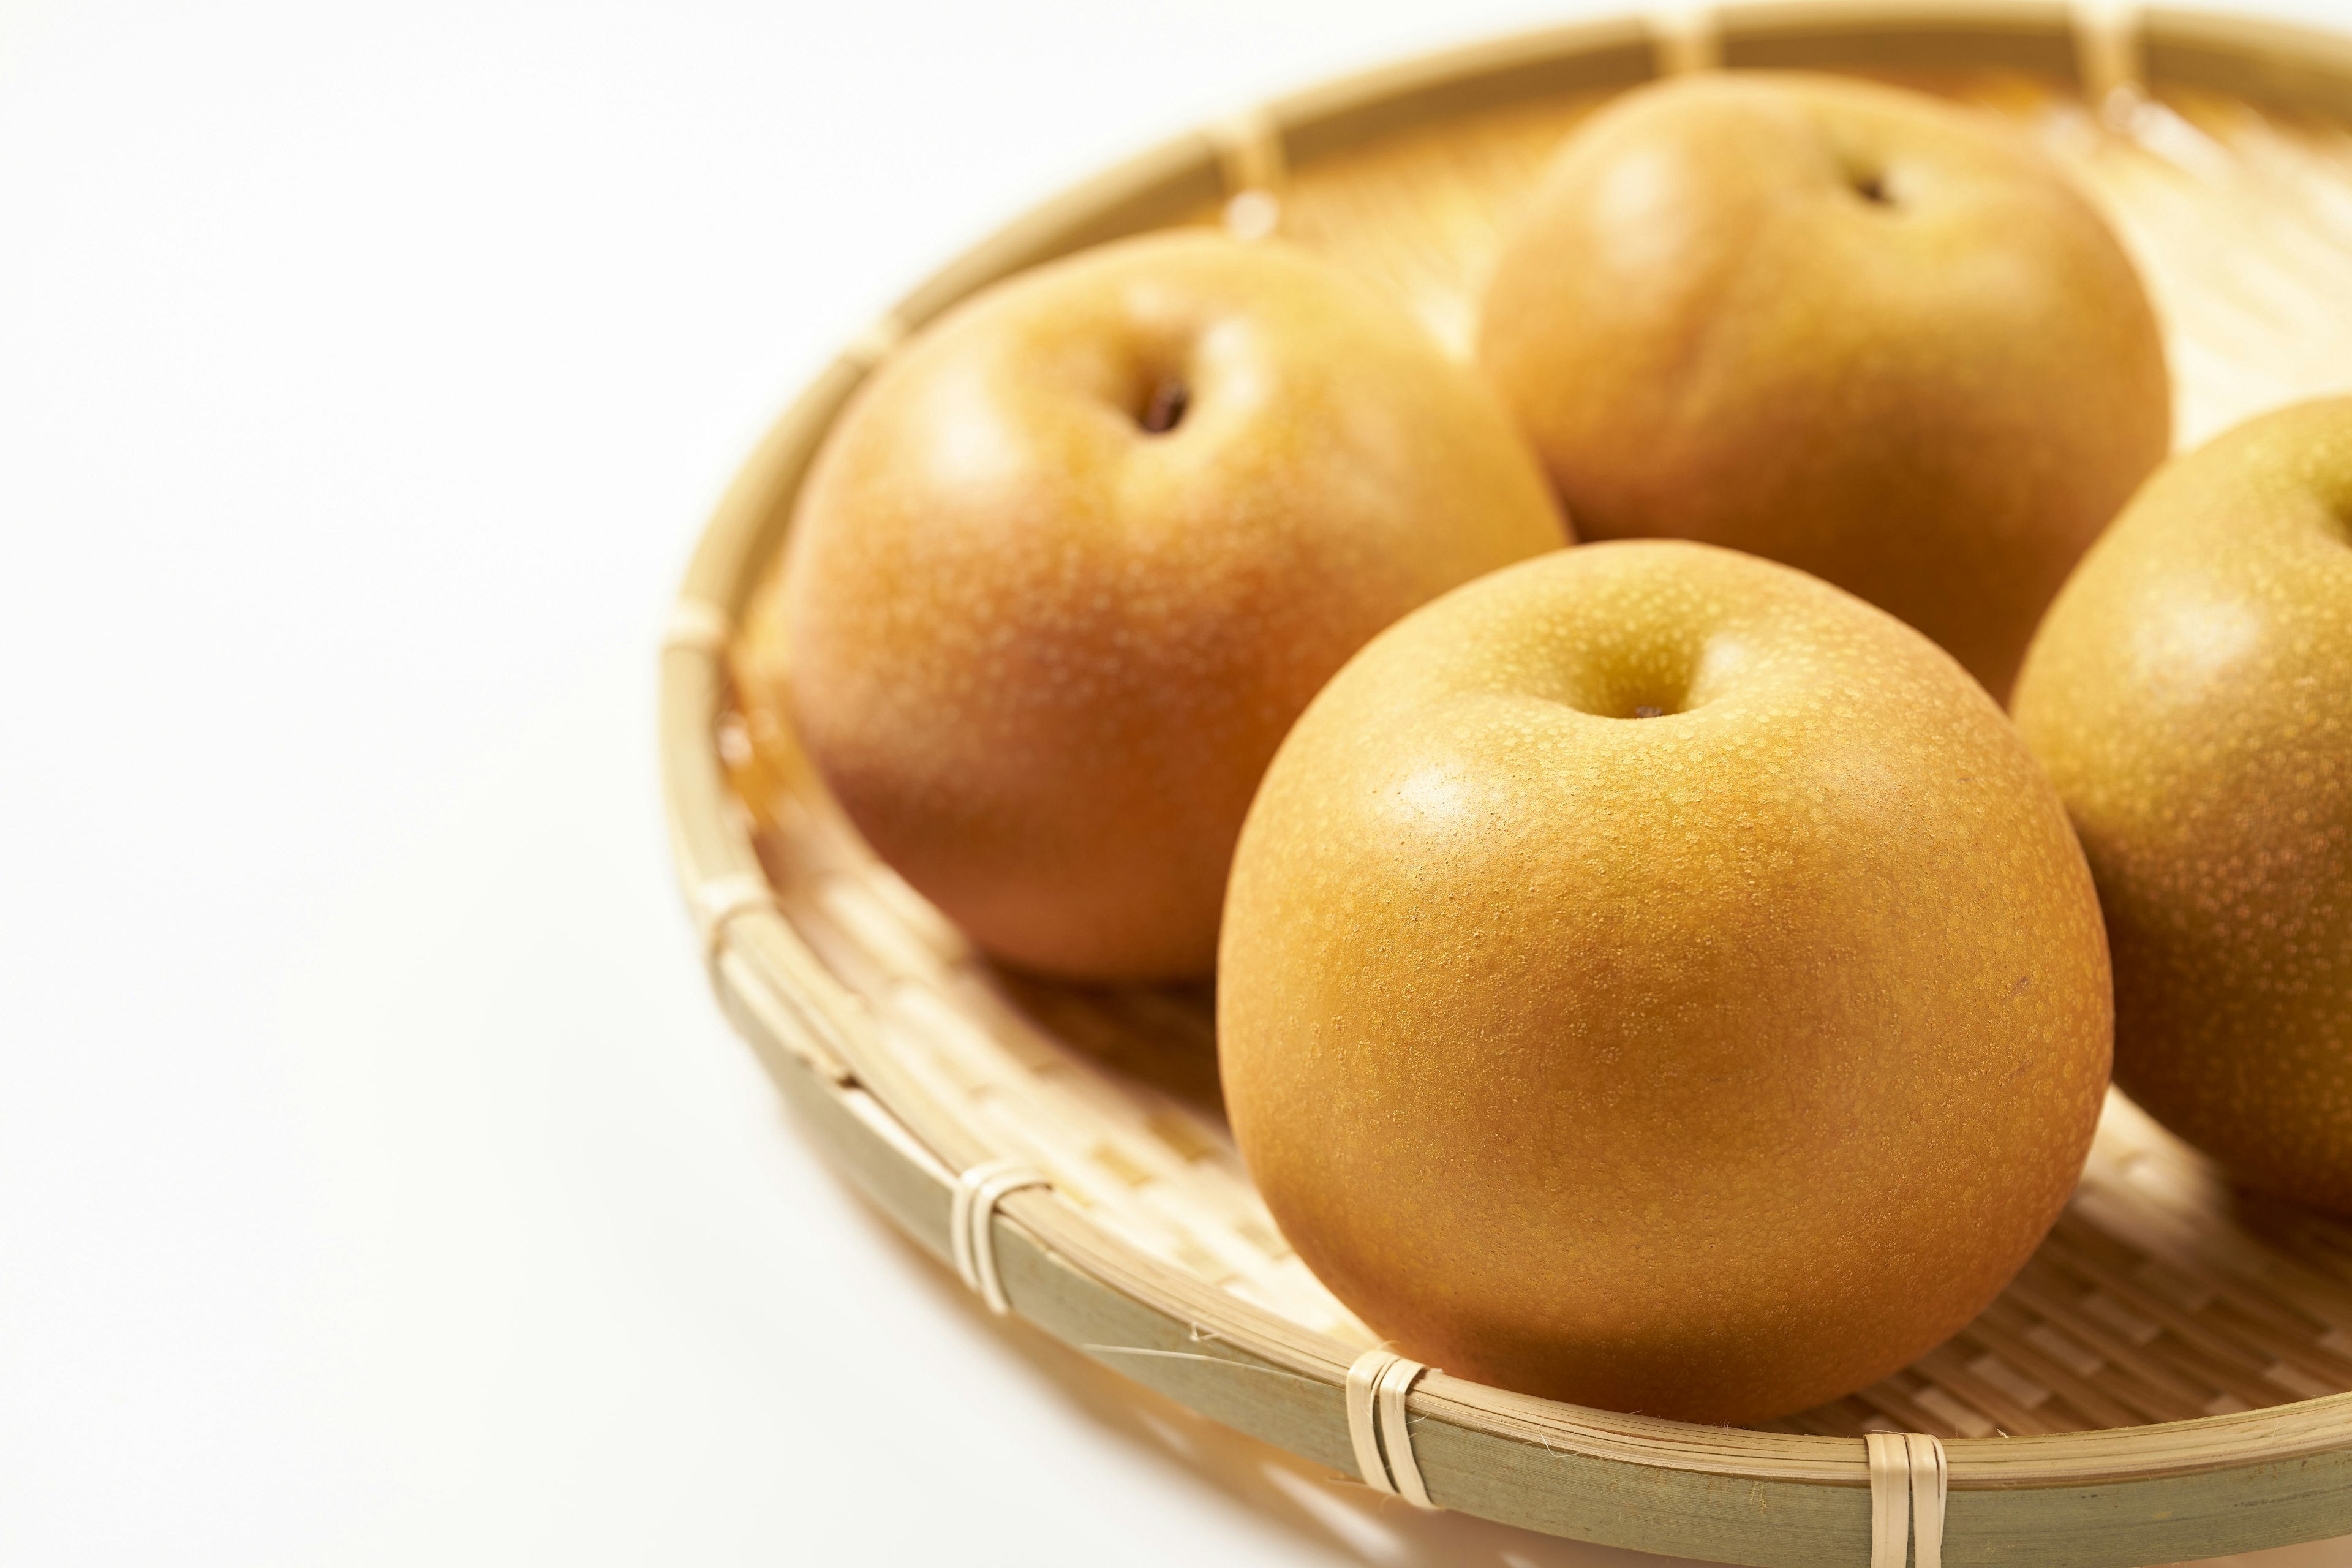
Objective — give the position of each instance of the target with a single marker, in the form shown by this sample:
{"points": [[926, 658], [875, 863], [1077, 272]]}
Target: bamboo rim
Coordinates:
{"points": [[2123, 1494]]}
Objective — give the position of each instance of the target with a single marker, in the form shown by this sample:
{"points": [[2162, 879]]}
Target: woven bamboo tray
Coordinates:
{"points": [[2167, 1378]]}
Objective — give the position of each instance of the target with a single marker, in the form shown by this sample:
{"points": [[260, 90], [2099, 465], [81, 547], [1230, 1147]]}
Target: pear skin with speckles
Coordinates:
{"points": [[1656, 979], [1857, 330], [1075, 558], [2190, 694]]}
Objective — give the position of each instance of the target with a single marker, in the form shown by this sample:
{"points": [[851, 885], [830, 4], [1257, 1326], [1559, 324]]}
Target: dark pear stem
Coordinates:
{"points": [[1170, 399]]}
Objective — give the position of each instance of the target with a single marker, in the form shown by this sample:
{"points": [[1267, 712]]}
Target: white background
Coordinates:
{"points": [[377, 1183]]}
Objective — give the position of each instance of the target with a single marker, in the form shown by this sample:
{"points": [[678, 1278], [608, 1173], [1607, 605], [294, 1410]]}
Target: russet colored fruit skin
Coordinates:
{"points": [[1844, 326], [1042, 654], [2190, 695], [1708, 1065]]}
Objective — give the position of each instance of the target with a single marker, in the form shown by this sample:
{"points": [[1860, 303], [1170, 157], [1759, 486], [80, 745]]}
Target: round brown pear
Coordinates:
{"points": [[1076, 557], [2191, 697], [1656, 979], [1847, 327]]}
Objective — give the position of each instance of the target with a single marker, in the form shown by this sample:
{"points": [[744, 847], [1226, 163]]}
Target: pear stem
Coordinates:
{"points": [[1170, 399]]}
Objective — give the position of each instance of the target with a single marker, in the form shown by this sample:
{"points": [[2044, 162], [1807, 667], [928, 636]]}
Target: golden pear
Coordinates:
{"points": [[1848, 327], [2190, 695], [1656, 979], [1074, 559]]}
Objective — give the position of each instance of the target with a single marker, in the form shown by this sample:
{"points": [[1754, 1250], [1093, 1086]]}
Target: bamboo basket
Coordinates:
{"points": [[2166, 1380]]}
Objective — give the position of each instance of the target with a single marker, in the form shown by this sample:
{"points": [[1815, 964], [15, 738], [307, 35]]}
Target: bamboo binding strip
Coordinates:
{"points": [[1907, 1499], [972, 1225], [1377, 1425], [2167, 1379]]}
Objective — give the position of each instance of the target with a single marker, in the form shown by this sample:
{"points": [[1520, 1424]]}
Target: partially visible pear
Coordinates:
{"points": [[1850, 328], [2190, 694]]}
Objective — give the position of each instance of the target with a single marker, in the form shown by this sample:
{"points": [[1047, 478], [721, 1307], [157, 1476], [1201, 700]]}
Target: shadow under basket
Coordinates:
{"points": [[2166, 1380]]}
